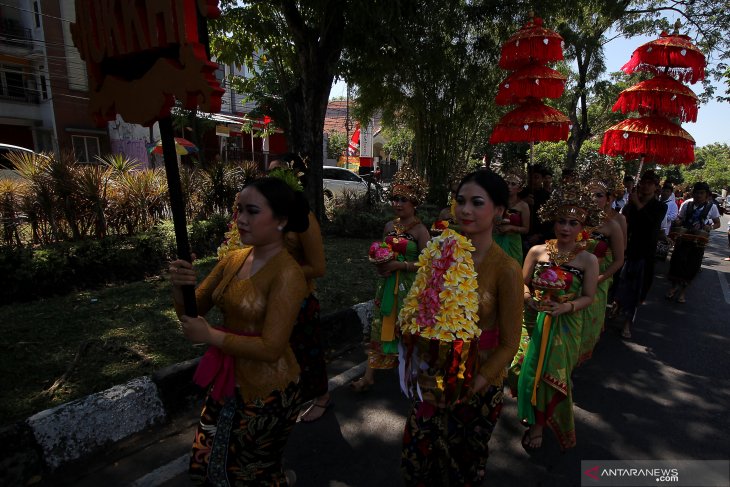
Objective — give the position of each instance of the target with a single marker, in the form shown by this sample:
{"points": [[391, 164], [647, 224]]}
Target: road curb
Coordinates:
{"points": [[68, 433]]}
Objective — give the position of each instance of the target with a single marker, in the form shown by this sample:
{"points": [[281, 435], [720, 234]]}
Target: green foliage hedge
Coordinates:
{"points": [[27, 273], [369, 222]]}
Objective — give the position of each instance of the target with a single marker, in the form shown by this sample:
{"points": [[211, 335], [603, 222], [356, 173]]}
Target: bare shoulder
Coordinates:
{"points": [[585, 259], [537, 250], [422, 235]]}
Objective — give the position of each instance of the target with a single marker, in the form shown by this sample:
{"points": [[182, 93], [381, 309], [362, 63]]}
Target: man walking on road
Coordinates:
{"points": [[644, 215]]}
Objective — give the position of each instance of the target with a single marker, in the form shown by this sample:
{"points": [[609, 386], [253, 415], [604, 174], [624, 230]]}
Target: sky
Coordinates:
{"points": [[710, 126]]}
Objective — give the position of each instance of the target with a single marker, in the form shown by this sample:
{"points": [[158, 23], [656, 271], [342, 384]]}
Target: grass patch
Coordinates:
{"points": [[63, 348]]}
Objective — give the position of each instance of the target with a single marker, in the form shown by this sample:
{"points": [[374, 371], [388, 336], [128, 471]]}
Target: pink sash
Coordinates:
{"points": [[218, 369], [489, 339]]}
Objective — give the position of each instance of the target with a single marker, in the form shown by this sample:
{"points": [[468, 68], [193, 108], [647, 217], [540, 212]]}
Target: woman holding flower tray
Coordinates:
{"points": [[467, 302], [395, 260], [560, 281]]}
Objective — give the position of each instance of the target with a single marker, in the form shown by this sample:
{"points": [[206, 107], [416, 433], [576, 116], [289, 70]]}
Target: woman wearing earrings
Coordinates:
{"points": [[606, 242], [516, 219], [407, 236], [450, 444], [560, 282], [254, 396], [306, 338]]}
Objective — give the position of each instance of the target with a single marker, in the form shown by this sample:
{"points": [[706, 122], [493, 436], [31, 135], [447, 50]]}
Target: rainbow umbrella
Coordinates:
{"points": [[183, 147]]}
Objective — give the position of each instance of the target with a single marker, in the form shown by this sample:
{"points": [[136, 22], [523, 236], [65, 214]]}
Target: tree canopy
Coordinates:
{"points": [[431, 65]]}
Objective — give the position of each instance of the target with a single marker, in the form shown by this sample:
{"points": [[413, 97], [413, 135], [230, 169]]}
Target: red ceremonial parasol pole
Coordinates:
{"points": [[169, 63], [641, 166], [177, 206]]}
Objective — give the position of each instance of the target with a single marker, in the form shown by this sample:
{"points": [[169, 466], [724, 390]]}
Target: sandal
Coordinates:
{"points": [[681, 300], [670, 294], [361, 385], [324, 407], [626, 334], [529, 442]]}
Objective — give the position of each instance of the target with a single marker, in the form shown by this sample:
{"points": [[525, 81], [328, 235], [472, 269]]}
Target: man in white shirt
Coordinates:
{"points": [[667, 197], [628, 185], [697, 215]]}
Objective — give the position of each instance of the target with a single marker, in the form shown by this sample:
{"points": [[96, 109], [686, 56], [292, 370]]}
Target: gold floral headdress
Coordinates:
{"points": [[571, 201], [514, 174], [601, 175], [408, 183]]}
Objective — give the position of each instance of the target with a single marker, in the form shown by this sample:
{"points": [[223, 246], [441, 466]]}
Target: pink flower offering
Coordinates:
{"points": [[380, 253], [549, 279]]}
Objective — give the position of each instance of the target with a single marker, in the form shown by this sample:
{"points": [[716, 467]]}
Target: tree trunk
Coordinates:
{"points": [[581, 129], [318, 51]]}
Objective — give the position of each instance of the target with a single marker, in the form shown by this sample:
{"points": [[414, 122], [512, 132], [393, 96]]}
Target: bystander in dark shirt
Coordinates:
{"points": [[643, 228]]}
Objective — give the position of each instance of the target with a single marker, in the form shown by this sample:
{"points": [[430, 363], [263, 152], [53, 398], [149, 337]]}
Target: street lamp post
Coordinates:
{"points": [[348, 127]]}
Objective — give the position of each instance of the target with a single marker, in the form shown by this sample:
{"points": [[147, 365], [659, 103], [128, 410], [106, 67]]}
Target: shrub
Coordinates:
{"points": [[57, 269], [353, 217], [207, 235], [27, 274]]}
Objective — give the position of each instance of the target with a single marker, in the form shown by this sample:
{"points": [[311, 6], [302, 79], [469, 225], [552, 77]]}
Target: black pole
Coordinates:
{"points": [[177, 206]]}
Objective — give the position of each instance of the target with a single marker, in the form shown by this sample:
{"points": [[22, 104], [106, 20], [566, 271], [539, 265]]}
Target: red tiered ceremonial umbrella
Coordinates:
{"points": [[532, 80], [531, 44], [527, 52], [653, 137], [532, 121], [661, 94], [672, 54]]}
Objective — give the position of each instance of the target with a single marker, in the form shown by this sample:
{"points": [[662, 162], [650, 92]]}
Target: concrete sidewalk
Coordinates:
{"points": [[64, 437]]}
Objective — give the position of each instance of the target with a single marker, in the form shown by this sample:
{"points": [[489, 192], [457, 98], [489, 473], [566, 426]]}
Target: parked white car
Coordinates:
{"points": [[337, 180]]}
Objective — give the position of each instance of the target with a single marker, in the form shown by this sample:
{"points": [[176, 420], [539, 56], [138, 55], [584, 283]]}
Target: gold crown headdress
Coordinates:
{"points": [[514, 174], [571, 201], [601, 175], [408, 183]]}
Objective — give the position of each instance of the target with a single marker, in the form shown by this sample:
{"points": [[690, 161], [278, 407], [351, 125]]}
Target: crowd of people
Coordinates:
{"points": [[550, 261]]}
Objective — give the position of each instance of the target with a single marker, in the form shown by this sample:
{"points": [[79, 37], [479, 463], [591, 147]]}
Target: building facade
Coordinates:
{"points": [[26, 113]]}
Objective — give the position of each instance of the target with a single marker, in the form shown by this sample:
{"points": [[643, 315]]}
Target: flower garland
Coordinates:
{"points": [[443, 302]]}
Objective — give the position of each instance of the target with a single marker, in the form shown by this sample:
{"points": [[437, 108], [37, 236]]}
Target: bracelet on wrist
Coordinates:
{"points": [[572, 306]]}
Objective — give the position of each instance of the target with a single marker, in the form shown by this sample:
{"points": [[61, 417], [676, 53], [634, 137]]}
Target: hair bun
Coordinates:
{"points": [[299, 216]]}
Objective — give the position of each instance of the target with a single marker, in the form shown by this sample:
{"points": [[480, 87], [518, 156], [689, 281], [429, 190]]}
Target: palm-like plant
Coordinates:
{"points": [[38, 201], [140, 199], [11, 191], [63, 173], [219, 185], [191, 186], [92, 183], [119, 163]]}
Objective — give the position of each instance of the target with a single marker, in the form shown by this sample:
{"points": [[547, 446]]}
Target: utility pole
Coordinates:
{"points": [[348, 126]]}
